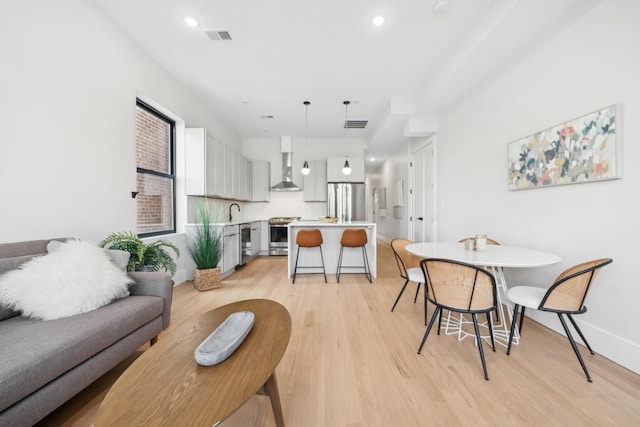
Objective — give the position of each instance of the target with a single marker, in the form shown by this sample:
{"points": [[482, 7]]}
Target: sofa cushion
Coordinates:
{"points": [[31, 247], [76, 278], [35, 352], [8, 264], [7, 313]]}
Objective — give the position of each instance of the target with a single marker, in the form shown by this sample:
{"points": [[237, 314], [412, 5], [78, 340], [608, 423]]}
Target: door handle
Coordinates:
{"points": [[420, 218]]}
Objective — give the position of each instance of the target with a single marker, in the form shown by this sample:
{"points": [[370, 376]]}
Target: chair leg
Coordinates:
{"points": [[440, 322], [400, 294], [425, 306], [426, 334], [339, 264], [584, 340], [574, 346], [523, 308], [367, 270], [513, 326], [417, 291], [490, 325], [475, 326], [323, 271], [295, 269]]}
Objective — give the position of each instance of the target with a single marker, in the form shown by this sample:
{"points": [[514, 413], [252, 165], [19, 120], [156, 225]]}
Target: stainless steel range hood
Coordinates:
{"points": [[287, 163]]}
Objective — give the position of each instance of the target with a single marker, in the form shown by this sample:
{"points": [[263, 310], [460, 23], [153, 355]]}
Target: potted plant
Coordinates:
{"points": [[144, 256], [206, 249]]}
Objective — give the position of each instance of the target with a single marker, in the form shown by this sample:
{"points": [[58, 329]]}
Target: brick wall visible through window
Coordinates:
{"points": [[155, 179]]}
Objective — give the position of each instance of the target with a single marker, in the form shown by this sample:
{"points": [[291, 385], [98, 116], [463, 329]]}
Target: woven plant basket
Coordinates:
{"points": [[205, 280]]}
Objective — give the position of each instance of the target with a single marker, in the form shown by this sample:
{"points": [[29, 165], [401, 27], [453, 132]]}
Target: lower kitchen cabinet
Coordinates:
{"points": [[256, 235], [230, 249]]}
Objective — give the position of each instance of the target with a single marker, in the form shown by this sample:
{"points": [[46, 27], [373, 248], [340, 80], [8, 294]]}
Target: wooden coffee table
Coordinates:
{"points": [[166, 386]]}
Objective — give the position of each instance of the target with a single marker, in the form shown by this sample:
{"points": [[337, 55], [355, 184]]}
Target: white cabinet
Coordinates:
{"points": [[261, 181], [315, 184], [230, 249], [256, 234], [245, 179], [200, 153], [213, 169], [228, 172], [335, 165], [264, 236], [219, 169], [235, 175]]}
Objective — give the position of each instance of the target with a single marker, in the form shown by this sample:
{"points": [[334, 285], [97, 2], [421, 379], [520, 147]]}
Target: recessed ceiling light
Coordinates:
{"points": [[372, 159], [191, 21], [378, 20]]}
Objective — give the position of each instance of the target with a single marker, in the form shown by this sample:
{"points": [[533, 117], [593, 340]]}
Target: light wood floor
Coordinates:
{"points": [[351, 362]]}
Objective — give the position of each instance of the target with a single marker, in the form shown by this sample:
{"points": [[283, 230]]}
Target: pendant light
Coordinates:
{"points": [[346, 169], [305, 166]]}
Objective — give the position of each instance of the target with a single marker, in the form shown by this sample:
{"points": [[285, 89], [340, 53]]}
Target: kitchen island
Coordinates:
{"points": [[331, 234]]}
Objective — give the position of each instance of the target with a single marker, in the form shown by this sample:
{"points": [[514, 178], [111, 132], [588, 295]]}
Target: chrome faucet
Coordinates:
{"points": [[231, 216]]}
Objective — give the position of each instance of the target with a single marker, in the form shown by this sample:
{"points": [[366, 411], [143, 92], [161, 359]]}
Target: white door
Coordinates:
{"points": [[423, 218]]}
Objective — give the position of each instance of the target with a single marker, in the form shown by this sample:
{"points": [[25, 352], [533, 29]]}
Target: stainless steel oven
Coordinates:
{"points": [[279, 235]]}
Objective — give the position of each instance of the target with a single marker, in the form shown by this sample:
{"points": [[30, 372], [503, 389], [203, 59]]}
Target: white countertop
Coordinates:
{"points": [[320, 223], [224, 224]]}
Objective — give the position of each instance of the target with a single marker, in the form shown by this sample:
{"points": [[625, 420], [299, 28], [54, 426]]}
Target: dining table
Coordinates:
{"points": [[494, 258]]}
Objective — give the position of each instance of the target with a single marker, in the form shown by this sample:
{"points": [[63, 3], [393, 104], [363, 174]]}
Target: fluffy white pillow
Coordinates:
{"points": [[76, 278], [118, 257]]}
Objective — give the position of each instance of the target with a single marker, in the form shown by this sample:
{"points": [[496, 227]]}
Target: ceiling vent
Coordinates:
{"points": [[355, 124], [218, 34]]}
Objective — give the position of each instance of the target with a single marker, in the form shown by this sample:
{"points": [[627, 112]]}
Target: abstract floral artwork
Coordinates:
{"points": [[585, 149]]}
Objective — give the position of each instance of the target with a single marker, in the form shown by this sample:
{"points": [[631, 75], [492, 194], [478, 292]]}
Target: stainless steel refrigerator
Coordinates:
{"points": [[346, 201]]}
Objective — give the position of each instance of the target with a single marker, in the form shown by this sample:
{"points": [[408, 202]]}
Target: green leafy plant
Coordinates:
{"points": [[143, 255], [206, 238]]}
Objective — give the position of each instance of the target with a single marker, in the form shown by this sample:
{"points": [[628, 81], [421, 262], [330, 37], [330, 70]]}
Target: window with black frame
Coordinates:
{"points": [[155, 141]]}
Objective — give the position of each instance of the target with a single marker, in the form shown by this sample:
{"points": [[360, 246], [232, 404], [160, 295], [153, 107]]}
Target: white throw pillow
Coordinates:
{"points": [[76, 278], [118, 257]]}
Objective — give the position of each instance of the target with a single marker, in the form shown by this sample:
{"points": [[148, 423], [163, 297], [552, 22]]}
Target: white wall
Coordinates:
{"points": [[395, 168], [69, 81], [592, 64]]}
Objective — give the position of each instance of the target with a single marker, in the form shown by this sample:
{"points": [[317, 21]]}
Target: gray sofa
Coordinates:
{"points": [[45, 363]]}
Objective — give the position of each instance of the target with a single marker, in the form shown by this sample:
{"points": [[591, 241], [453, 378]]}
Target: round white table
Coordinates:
{"points": [[494, 258]]}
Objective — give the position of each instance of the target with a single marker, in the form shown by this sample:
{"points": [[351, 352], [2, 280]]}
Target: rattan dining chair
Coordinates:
{"points": [[409, 266], [461, 288], [453, 326], [565, 297]]}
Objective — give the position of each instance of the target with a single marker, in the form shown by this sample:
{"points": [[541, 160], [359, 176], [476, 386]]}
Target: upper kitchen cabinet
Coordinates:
{"points": [[315, 184], [335, 165], [229, 172], [200, 152], [245, 179], [261, 179], [213, 169]]}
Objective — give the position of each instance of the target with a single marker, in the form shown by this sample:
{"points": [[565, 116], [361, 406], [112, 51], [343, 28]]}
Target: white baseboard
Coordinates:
{"points": [[384, 239], [617, 349], [180, 277]]}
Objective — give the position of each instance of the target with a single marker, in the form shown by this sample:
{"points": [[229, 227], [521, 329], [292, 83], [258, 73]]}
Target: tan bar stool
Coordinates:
{"points": [[309, 239], [354, 238]]}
